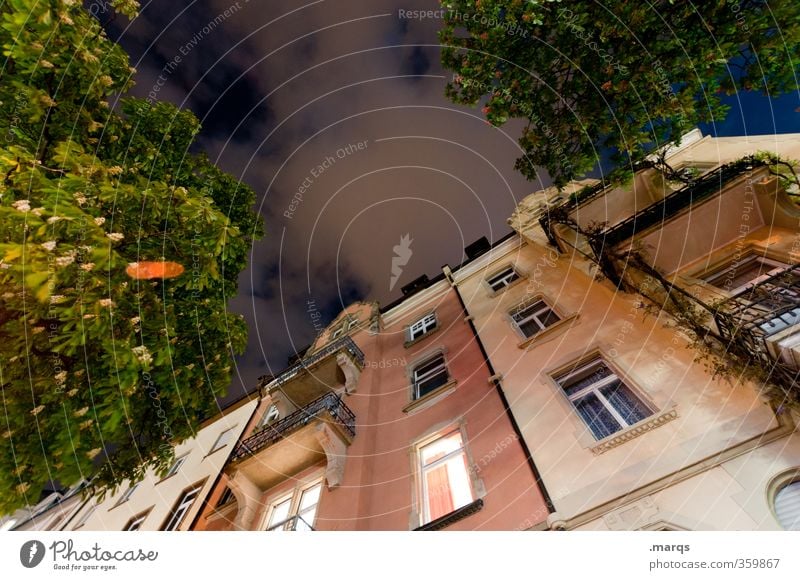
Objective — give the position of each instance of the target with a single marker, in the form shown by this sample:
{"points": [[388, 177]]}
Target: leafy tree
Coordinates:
{"points": [[101, 372], [627, 76]]}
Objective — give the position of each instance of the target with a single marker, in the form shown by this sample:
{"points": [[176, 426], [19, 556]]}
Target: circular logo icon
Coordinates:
{"points": [[31, 553]]}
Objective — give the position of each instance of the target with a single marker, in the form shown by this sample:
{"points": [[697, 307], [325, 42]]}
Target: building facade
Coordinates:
{"points": [[627, 424], [392, 421]]}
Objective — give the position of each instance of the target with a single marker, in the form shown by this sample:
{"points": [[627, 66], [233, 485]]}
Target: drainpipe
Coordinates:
{"points": [[499, 388]]}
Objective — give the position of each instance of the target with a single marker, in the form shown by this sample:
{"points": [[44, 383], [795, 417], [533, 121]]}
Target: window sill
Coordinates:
{"points": [[410, 343], [548, 332], [431, 398], [452, 517], [163, 479], [633, 431], [210, 453]]}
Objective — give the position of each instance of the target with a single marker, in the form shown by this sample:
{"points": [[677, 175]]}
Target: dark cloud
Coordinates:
{"points": [[286, 92]]}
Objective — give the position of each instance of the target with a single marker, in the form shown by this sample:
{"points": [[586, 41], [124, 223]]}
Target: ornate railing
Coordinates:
{"points": [[763, 309], [699, 189], [330, 404], [291, 525], [344, 343]]}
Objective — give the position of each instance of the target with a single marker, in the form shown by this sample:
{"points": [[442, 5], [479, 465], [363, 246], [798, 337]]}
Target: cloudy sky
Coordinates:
{"points": [[333, 112]]}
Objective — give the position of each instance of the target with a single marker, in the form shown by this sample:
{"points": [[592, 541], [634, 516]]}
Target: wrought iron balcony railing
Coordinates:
{"points": [[344, 343], [292, 524], [763, 309], [330, 404]]}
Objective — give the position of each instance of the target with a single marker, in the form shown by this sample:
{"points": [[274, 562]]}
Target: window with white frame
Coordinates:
{"points": [[135, 523], [502, 279], [787, 506], [445, 476], [128, 493], [422, 327], [741, 272], [270, 416], [337, 333], [224, 438], [604, 402], [296, 511], [176, 466], [429, 375], [181, 508], [533, 317]]}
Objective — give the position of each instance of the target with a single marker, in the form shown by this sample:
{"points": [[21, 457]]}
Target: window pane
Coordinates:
{"points": [[428, 366], [548, 317], [585, 377], [431, 384], [625, 402], [441, 447], [448, 487], [310, 497], [600, 421], [787, 506], [279, 513]]}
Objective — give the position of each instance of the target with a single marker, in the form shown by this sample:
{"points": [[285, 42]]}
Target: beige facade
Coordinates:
{"points": [[157, 503], [628, 429]]}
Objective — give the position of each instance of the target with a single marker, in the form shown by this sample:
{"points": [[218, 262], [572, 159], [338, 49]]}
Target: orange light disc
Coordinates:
{"points": [[152, 270]]}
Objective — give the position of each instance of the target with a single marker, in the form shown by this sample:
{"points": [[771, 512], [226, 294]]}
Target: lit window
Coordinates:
{"points": [[128, 493], [182, 508], [602, 400], [445, 476], [223, 439], [743, 271], [503, 279], [787, 506], [533, 318], [429, 376], [295, 512], [135, 523], [176, 466], [422, 327]]}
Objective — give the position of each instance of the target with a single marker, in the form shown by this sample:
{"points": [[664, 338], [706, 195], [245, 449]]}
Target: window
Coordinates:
{"points": [[445, 476], [740, 272], [337, 333], [787, 506], [604, 402], [226, 497], [176, 466], [429, 376], [223, 439], [128, 493], [422, 327], [181, 508], [85, 517], [533, 318], [503, 279], [270, 416], [135, 523], [295, 512]]}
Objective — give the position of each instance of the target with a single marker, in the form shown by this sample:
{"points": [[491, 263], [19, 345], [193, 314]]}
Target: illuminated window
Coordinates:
{"points": [[445, 476], [429, 376], [295, 512], [603, 401]]}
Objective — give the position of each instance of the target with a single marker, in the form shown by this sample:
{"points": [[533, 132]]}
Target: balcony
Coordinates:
{"points": [[764, 320], [321, 430], [335, 367]]}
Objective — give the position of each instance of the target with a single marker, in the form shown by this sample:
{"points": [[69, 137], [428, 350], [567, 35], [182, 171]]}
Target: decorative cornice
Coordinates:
{"points": [[633, 432]]}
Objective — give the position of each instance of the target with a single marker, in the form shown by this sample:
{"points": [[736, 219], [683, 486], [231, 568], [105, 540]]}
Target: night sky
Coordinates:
{"points": [[345, 100]]}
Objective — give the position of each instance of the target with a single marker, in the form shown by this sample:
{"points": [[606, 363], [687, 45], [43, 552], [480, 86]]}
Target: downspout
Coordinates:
{"points": [[498, 387]]}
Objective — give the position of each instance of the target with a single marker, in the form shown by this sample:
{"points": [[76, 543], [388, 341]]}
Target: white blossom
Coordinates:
{"points": [[106, 302], [115, 237], [22, 205], [49, 246], [142, 354]]}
